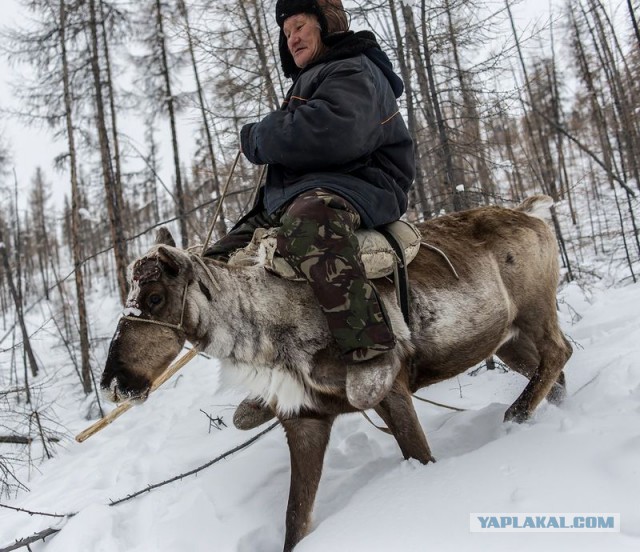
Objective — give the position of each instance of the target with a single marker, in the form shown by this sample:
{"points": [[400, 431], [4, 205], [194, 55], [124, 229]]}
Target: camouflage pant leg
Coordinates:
{"points": [[317, 239]]}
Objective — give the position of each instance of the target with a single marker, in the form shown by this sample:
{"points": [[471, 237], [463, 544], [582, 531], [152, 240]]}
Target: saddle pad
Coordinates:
{"points": [[376, 253]]}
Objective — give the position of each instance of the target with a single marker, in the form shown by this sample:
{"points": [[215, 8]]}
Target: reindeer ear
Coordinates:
{"points": [[175, 261], [164, 237]]}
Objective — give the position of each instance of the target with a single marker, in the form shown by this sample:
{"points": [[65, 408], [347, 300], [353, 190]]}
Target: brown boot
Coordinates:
{"points": [[251, 413], [369, 381]]}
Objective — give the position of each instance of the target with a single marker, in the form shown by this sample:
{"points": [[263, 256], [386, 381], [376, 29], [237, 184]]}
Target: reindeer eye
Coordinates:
{"points": [[154, 299]]}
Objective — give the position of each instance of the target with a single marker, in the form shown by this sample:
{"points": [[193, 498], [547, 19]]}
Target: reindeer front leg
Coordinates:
{"points": [[397, 410], [308, 438]]}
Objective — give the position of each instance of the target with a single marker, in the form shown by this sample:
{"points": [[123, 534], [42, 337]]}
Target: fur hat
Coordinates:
{"points": [[331, 17]]}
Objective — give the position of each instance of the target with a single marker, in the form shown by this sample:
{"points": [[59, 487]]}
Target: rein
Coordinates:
{"points": [[388, 431], [443, 255]]}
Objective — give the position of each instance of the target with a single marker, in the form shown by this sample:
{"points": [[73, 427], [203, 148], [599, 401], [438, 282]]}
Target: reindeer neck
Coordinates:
{"points": [[241, 313]]}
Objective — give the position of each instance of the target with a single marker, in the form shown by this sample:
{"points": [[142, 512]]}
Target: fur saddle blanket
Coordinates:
{"points": [[377, 254]]}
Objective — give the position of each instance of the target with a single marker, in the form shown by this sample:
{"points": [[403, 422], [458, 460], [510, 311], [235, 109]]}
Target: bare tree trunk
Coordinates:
{"points": [[112, 108], [443, 133], [622, 97], [180, 196], [412, 123], [587, 76], [110, 186], [470, 117], [565, 188], [33, 365], [221, 227], [75, 206], [254, 27], [634, 21], [541, 157]]}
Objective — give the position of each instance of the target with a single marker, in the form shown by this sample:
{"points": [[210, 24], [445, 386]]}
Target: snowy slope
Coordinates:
{"points": [[582, 457]]}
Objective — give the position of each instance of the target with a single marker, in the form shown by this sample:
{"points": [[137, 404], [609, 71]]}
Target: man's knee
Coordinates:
{"points": [[321, 206]]}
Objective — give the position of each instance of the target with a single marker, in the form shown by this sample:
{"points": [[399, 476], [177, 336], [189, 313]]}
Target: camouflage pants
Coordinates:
{"points": [[316, 237]]}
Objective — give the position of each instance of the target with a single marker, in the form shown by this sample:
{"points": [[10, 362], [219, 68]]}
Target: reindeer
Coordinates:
{"points": [[270, 333]]}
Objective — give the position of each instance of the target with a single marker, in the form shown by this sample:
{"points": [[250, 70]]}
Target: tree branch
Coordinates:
{"points": [[196, 470], [20, 543]]}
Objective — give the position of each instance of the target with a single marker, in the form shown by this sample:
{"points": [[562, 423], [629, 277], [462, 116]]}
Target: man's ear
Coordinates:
{"points": [[175, 261], [164, 237]]}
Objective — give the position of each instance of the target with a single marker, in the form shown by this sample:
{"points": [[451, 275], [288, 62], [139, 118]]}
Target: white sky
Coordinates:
{"points": [[32, 146]]}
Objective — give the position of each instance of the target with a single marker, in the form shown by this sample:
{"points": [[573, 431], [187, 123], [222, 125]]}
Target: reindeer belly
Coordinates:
{"points": [[459, 327]]}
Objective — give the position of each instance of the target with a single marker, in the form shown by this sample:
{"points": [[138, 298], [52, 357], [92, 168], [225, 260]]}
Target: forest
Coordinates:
{"points": [[497, 112]]}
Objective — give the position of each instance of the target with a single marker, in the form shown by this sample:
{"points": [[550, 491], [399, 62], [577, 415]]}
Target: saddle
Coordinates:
{"points": [[384, 251], [381, 250]]}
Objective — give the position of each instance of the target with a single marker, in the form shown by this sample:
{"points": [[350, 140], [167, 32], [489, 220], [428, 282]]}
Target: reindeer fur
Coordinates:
{"points": [[271, 336]]}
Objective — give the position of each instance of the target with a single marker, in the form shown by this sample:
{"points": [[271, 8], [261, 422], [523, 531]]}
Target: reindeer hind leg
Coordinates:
{"points": [[521, 355], [542, 362]]}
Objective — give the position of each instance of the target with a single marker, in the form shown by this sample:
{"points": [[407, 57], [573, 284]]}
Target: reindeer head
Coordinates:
{"points": [[153, 329]]}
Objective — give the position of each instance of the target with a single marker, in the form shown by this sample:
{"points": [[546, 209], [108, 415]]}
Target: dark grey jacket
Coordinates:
{"points": [[339, 128]]}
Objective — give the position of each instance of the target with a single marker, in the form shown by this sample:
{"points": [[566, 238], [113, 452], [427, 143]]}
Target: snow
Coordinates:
{"points": [[581, 457], [131, 311], [85, 214]]}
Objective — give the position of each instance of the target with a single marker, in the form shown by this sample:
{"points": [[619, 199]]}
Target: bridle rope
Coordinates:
{"points": [[180, 327]]}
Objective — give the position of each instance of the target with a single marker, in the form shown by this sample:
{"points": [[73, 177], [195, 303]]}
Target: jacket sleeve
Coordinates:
{"points": [[338, 124]]}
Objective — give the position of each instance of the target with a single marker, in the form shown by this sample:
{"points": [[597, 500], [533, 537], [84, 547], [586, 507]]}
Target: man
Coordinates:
{"points": [[339, 158]]}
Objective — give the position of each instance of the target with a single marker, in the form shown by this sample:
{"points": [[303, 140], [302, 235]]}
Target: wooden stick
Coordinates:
{"points": [[123, 407]]}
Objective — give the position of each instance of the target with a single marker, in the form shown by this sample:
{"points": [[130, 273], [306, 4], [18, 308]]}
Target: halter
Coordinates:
{"points": [[178, 327]]}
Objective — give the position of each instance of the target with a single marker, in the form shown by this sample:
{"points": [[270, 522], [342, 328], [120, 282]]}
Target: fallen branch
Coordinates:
{"points": [[32, 513], [196, 470], [23, 440], [123, 407], [20, 543]]}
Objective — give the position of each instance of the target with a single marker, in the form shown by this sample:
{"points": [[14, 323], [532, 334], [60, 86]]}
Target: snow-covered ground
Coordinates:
{"points": [[582, 457]]}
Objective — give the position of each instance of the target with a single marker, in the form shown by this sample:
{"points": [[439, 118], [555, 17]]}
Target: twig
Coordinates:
{"points": [[32, 513], [216, 422], [20, 543], [41, 535], [22, 440], [42, 435], [196, 470]]}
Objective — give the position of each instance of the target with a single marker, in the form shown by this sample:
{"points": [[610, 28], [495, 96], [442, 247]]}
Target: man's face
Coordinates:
{"points": [[303, 38]]}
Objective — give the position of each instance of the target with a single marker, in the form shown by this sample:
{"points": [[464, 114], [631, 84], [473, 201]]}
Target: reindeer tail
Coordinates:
{"points": [[538, 206]]}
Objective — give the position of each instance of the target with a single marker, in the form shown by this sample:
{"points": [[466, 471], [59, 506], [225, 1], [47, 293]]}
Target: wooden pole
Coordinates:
{"points": [[123, 407]]}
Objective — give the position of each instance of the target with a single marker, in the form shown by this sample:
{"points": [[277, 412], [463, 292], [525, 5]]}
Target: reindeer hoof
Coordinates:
{"points": [[557, 394], [251, 413], [515, 414]]}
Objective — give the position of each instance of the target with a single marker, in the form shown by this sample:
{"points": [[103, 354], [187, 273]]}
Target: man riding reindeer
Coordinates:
{"points": [[339, 158]]}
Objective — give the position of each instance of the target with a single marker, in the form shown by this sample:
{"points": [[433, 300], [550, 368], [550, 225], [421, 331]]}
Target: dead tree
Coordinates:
{"points": [[33, 365]]}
